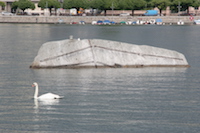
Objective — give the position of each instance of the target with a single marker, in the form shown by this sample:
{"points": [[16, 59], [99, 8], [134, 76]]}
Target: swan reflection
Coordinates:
{"points": [[45, 103]]}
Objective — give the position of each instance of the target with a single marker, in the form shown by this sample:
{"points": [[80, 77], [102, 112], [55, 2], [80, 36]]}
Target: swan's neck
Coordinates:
{"points": [[36, 92]]}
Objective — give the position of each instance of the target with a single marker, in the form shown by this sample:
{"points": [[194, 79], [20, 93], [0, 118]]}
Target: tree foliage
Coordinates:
{"points": [[68, 4], [160, 4], [2, 4], [23, 5], [50, 4], [184, 4], [14, 6], [104, 5], [196, 3], [132, 5], [118, 4]]}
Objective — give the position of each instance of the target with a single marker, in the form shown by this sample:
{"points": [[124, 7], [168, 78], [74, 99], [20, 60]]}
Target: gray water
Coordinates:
{"points": [[133, 100]]}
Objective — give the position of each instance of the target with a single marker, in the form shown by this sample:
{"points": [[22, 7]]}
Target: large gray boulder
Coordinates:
{"points": [[76, 53]]}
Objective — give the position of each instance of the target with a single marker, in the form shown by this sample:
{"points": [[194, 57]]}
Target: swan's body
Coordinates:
{"points": [[44, 96]]}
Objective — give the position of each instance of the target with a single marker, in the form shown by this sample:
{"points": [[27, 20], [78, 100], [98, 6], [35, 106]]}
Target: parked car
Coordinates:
{"points": [[124, 14], [7, 13], [23, 13], [187, 14]]}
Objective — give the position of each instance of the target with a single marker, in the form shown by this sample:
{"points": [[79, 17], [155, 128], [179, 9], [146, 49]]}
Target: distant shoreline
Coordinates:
{"points": [[90, 19]]}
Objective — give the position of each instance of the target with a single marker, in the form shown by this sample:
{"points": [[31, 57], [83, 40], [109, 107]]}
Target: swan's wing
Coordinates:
{"points": [[50, 96]]}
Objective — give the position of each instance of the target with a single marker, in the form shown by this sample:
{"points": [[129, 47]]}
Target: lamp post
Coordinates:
{"points": [[61, 7], [61, 3], [179, 7], [112, 7]]}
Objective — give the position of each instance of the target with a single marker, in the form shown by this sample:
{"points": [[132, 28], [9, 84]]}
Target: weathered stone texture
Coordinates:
{"points": [[75, 53]]}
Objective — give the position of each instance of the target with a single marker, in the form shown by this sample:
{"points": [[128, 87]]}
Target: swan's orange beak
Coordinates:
{"points": [[33, 85]]}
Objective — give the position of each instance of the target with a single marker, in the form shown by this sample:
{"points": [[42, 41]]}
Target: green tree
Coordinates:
{"points": [[14, 6], [160, 4], [184, 4], [147, 0], [196, 3], [104, 5], [68, 4], [50, 4], [2, 4], [23, 5], [132, 5]]}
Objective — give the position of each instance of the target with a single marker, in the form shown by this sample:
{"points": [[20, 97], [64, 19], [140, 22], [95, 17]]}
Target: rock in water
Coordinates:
{"points": [[76, 53]]}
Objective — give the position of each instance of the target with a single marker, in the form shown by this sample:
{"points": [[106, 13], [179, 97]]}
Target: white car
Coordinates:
{"points": [[124, 14], [7, 14]]}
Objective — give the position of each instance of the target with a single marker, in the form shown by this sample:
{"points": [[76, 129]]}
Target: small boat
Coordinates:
{"points": [[159, 21], [197, 21], [112, 22], [180, 22], [94, 22], [122, 22], [106, 22], [99, 22], [128, 23], [74, 23], [82, 22]]}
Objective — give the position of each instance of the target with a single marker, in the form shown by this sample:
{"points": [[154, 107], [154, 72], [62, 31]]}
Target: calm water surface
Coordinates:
{"points": [[133, 100]]}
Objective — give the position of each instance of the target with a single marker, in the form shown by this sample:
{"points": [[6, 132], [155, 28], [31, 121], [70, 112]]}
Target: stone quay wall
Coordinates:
{"points": [[89, 19]]}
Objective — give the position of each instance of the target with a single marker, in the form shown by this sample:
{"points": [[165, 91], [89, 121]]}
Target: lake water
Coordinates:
{"points": [[133, 100]]}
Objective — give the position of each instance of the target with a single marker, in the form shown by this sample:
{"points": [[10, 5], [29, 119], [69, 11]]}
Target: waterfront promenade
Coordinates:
{"points": [[89, 19]]}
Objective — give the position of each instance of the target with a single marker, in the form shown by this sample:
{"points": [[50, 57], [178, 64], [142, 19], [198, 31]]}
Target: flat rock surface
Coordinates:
{"points": [[76, 53]]}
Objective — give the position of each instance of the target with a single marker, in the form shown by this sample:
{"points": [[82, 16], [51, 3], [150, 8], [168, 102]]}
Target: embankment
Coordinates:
{"points": [[89, 19]]}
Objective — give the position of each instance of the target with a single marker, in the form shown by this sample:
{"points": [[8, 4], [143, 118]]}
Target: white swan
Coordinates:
{"points": [[46, 96]]}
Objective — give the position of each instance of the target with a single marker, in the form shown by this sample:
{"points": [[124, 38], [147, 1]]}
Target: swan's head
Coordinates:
{"points": [[34, 84]]}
